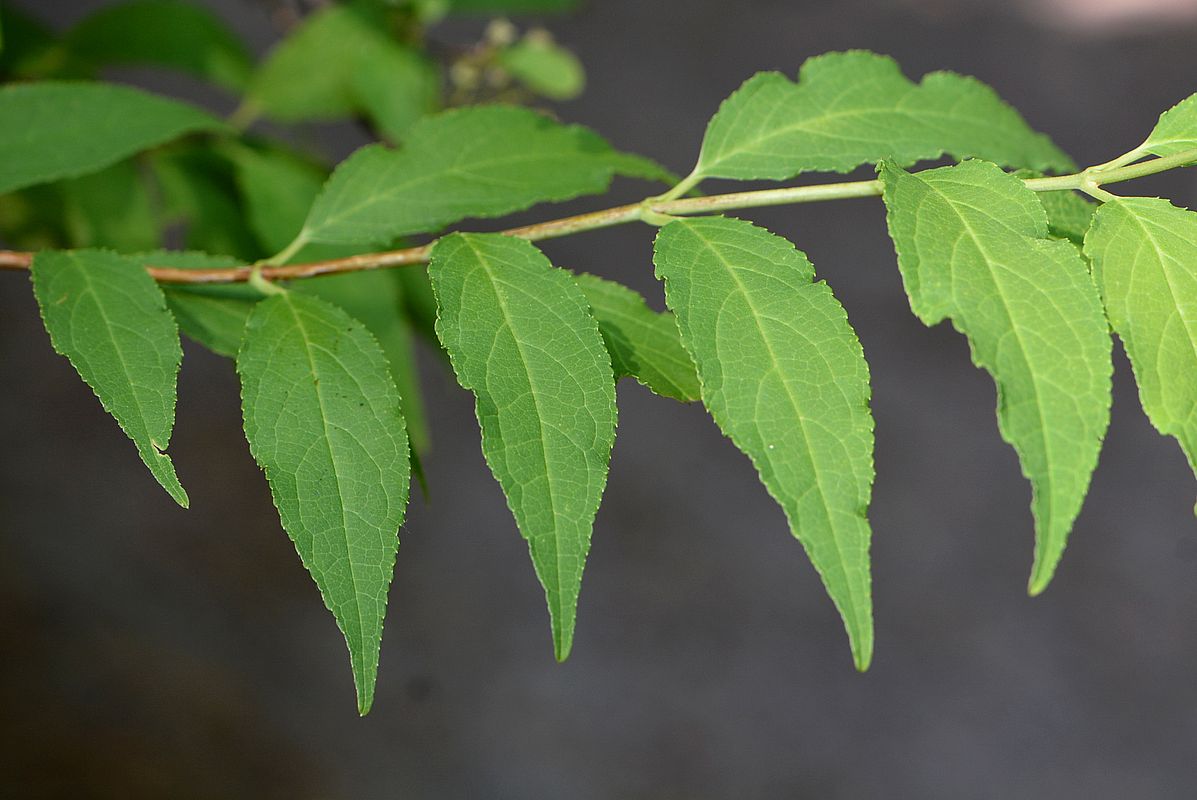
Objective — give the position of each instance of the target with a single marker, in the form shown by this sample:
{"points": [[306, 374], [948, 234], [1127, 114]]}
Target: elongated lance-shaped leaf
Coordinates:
{"points": [[163, 33], [473, 162], [643, 343], [323, 421], [855, 108], [972, 246], [54, 130], [278, 189], [108, 317], [521, 338], [784, 376], [1176, 131], [1144, 256]]}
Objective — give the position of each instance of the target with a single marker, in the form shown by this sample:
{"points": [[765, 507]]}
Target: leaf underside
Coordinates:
{"points": [[973, 246], [784, 376], [521, 338], [323, 421], [1144, 255], [108, 317]]}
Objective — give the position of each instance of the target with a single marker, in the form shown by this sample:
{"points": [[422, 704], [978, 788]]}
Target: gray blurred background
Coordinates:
{"points": [[154, 652]]}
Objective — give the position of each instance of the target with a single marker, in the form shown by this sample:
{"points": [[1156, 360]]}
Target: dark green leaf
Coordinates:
{"points": [[323, 421], [108, 317], [62, 130], [166, 33]]}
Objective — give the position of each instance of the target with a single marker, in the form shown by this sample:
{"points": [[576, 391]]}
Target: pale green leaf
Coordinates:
{"points": [[108, 317], [544, 67], [166, 33], [339, 62], [323, 421], [521, 338], [54, 130], [973, 246], [474, 162], [784, 376], [1144, 255], [643, 343], [278, 189], [855, 108], [1176, 131]]}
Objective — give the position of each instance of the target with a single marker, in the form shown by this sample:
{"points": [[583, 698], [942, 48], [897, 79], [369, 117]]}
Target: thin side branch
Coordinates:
{"points": [[652, 209]]}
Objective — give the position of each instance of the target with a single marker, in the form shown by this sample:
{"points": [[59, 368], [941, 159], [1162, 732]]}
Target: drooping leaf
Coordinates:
{"points": [[166, 33], [323, 421], [784, 376], [1176, 131], [473, 162], [1144, 255], [544, 67], [52, 130], [278, 189], [375, 299], [972, 246], [339, 62], [521, 338], [111, 208], [108, 317], [855, 108], [1068, 214], [643, 343]]}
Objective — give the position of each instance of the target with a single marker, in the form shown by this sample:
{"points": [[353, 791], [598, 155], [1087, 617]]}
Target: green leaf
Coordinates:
{"points": [[784, 376], [323, 421], [107, 316], [54, 130], [1144, 254], [199, 189], [167, 33], [855, 108], [213, 315], [643, 344], [278, 189], [375, 298], [1176, 131], [1068, 214], [474, 162], [544, 67], [972, 245], [521, 338], [111, 208], [339, 62]]}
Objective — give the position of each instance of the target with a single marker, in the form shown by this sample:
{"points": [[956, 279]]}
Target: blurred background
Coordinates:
{"points": [[154, 652]]}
